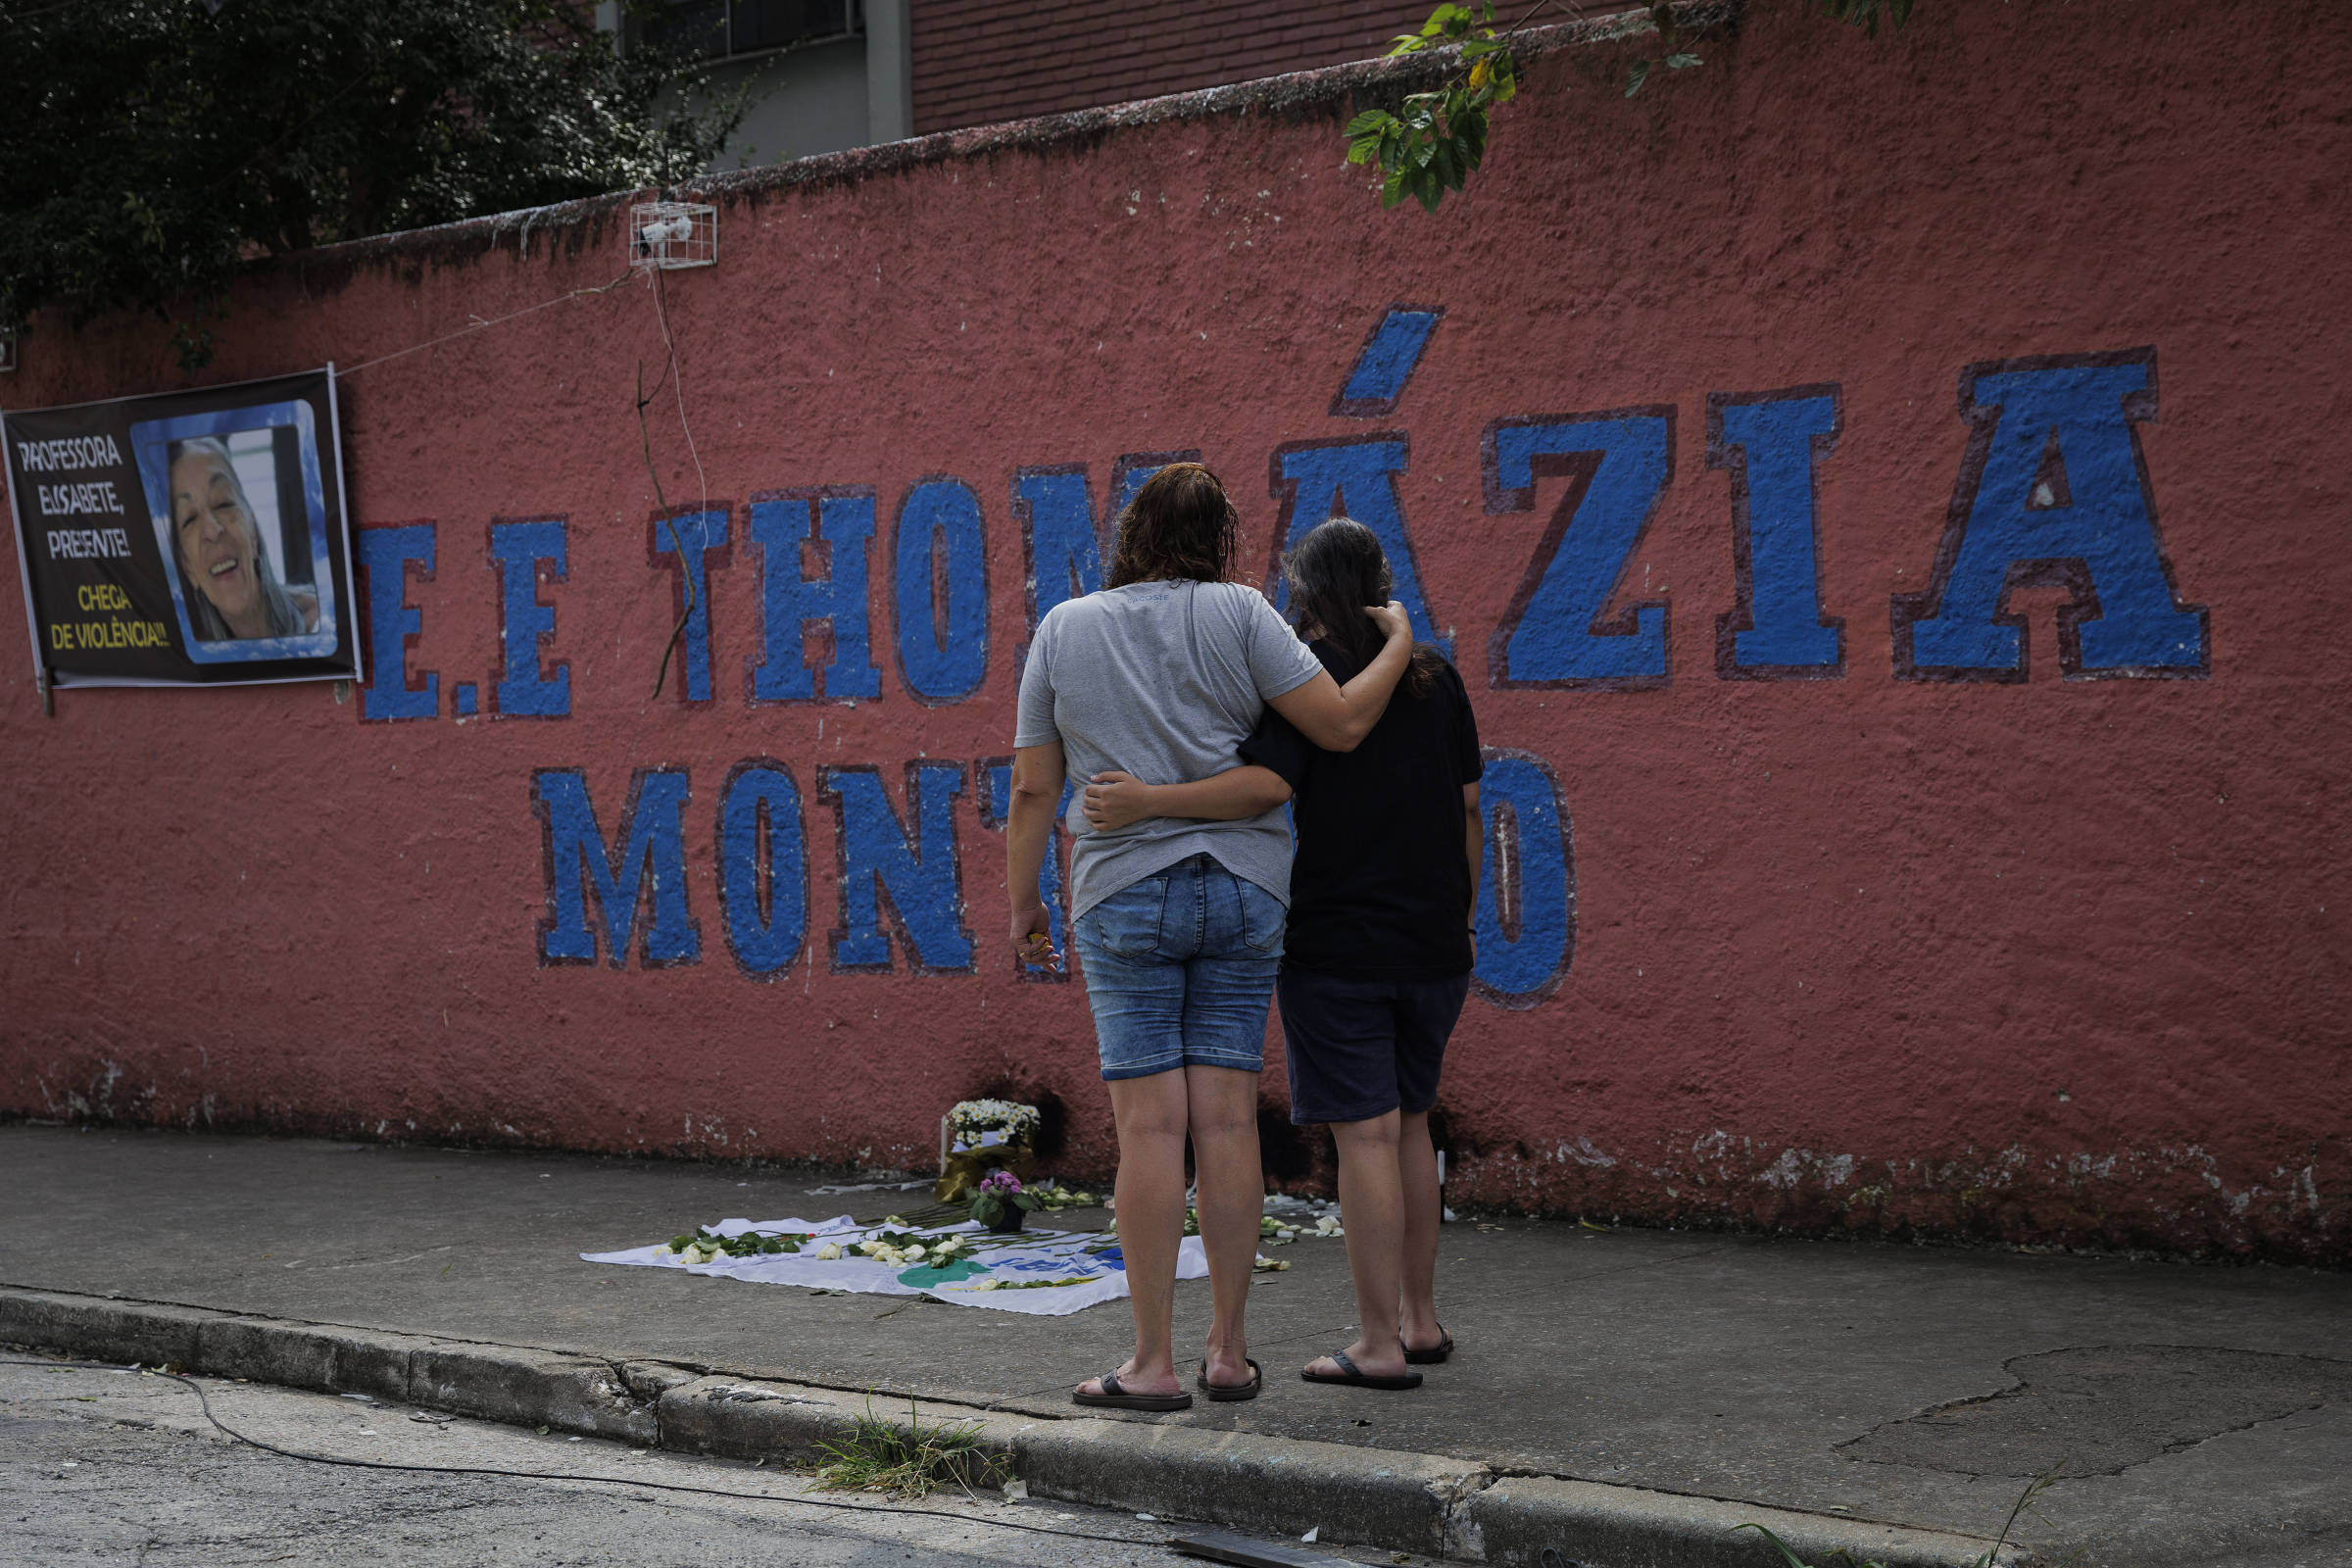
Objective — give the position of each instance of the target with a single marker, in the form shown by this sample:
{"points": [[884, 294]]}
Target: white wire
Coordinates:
{"points": [[478, 325], [677, 389]]}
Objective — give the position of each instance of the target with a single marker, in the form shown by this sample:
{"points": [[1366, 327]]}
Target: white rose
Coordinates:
{"points": [[829, 1252], [915, 1251]]}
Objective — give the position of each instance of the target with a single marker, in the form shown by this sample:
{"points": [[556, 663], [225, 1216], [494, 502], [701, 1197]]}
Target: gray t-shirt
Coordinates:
{"points": [[1164, 680]]}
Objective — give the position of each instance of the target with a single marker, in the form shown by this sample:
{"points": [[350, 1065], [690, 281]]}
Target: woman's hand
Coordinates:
{"points": [[1113, 800], [1030, 944], [1392, 620]]}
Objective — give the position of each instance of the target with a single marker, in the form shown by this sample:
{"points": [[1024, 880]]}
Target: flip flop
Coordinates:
{"points": [[1223, 1393], [1359, 1378], [1433, 1354], [1115, 1397]]}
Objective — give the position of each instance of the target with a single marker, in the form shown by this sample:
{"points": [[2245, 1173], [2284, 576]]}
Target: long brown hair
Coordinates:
{"points": [[1179, 525], [1334, 572]]}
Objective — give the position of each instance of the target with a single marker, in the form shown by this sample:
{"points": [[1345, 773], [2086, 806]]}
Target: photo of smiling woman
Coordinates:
{"points": [[231, 587]]}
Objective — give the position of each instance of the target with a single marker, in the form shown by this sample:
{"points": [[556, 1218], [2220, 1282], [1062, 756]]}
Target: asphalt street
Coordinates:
{"points": [[99, 1465]]}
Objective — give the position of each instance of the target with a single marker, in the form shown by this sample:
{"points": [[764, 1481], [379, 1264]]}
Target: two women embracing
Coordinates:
{"points": [[1192, 712]]}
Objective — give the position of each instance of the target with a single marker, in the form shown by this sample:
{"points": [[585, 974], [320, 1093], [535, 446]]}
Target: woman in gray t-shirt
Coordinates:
{"points": [[1162, 676]]}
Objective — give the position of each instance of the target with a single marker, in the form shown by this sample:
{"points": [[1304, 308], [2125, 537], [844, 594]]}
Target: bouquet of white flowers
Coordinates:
{"points": [[980, 1136], [986, 1123]]}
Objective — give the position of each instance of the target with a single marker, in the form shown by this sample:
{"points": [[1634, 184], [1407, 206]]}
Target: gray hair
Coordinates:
{"points": [[286, 616]]}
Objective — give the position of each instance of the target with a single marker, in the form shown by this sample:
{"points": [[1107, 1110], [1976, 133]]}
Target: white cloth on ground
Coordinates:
{"points": [[1097, 1271]]}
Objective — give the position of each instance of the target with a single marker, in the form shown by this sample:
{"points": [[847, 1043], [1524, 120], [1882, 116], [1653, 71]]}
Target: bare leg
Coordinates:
{"points": [[1151, 1113], [1417, 1173], [1372, 1206], [1232, 1198]]}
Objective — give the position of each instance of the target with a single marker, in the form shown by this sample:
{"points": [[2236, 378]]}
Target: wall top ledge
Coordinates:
{"points": [[1296, 95]]}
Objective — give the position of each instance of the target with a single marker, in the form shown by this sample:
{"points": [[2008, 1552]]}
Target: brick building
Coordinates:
{"points": [[828, 74]]}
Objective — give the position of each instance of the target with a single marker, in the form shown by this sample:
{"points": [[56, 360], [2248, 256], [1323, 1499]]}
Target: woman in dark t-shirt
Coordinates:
{"points": [[1378, 952]]}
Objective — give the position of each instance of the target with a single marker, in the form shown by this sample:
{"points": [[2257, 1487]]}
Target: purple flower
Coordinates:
{"points": [[1001, 1181]]}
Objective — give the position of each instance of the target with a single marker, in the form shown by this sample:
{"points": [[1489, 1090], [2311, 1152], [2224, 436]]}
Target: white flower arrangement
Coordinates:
{"points": [[972, 1121]]}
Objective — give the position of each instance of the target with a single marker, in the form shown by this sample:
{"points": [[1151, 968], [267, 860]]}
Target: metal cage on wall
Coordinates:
{"points": [[673, 234]]}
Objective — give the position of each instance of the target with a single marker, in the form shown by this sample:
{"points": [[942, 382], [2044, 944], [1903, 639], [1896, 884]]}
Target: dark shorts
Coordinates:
{"points": [[1361, 1049]]}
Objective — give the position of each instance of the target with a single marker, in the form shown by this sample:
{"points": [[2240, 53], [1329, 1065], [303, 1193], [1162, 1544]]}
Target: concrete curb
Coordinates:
{"points": [[1356, 1496]]}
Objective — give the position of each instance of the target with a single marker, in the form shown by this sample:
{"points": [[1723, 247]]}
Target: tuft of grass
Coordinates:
{"points": [[910, 1462], [1988, 1558]]}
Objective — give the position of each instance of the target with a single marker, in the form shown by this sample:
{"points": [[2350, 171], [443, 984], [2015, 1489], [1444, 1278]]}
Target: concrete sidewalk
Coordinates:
{"points": [[2204, 1414]]}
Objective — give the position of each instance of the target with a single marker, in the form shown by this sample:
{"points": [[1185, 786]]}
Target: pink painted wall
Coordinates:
{"points": [[2052, 960]]}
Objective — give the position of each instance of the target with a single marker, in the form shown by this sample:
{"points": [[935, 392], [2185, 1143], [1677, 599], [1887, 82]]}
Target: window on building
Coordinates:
{"points": [[723, 29]]}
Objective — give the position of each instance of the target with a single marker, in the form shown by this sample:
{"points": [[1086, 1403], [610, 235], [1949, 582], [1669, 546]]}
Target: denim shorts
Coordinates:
{"points": [[1180, 968]]}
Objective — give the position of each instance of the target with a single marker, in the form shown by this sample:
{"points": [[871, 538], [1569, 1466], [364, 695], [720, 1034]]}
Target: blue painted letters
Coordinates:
{"points": [[1060, 539], [1527, 892], [1617, 463], [1318, 480], [1058, 535], [918, 876], [940, 588], [788, 599], [701, 535], [393, 623], [1771, 441], [766, 905], [2052, 492], [527, 621], [653, 850], [1386, 362]]}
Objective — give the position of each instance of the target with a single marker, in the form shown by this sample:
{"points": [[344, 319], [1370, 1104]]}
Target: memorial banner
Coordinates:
{"points": [[186, 538]]}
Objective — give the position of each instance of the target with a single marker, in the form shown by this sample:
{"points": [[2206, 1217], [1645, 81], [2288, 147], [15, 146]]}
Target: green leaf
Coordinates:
{"points": [[1635, 77], [1778, 1545], [1683, 62], [1369, 121], [1431, 195]]}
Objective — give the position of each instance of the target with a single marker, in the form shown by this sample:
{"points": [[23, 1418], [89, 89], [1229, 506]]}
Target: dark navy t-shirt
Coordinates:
{"points": [[1380, 888]]}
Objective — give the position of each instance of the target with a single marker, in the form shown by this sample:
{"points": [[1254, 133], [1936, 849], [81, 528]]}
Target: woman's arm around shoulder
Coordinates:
{"points": [[1338, 717]]}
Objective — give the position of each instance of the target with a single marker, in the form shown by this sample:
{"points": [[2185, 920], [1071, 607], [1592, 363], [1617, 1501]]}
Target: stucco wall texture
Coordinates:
{"points": [[2052, 960]]}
